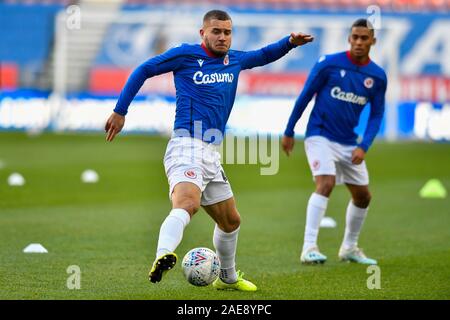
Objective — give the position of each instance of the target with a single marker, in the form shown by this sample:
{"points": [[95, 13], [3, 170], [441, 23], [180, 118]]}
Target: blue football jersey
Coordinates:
{"points": [[205, 84], [343, 88]]}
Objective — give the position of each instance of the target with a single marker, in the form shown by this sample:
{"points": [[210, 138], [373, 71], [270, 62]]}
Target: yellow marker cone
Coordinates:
{"points": [[433, 189]]}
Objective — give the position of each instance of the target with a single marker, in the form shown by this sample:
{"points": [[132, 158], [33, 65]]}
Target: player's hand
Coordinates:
{"points": [[358, 156], [288, 144], [300, 39], [114, 125]]}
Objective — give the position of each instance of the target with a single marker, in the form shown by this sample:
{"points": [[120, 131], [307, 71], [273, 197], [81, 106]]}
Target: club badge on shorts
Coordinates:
{"points": [[190, 174], [368, 83], [315, 165]]}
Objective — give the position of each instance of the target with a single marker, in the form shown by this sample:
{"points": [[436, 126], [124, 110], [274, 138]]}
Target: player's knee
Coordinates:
{"points": [[362, 200], [190, 205], [325, 187], [235, 222], [232, 223]]}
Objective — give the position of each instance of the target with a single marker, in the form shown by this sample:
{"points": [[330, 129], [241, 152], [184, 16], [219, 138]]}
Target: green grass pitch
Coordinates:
{"points": [[110, 229]]}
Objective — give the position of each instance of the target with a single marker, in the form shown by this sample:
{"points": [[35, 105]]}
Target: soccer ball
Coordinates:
{"points": [[201, 266]]}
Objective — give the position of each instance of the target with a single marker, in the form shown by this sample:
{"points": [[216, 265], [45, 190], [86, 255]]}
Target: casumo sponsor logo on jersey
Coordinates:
{"points": [[337, 93], [200, 78]]}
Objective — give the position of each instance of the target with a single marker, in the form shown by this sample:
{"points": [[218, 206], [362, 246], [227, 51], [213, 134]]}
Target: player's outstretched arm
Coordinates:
{"points": [[300, 39], [114, 125], [274, 51], [166, 62]]}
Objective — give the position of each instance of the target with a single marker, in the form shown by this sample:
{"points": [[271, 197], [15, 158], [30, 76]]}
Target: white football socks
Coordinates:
{"points": [[225, 244], [171, 231], [354, 220], [315, 211]]}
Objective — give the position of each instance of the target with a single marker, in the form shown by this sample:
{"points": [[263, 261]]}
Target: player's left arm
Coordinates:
{"points": [[274, 51], [373, 125]]}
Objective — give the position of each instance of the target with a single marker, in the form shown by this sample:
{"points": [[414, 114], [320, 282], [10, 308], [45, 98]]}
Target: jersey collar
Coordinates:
{"points": [[209, 53], [356, 62]]}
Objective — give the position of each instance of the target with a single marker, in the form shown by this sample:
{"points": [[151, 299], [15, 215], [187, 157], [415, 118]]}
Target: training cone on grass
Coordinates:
{"points": [[433, 189], [35, 248], [16, 180], [89, 176]]}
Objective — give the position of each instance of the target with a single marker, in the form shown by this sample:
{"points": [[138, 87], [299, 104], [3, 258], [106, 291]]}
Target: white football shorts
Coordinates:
{"points": [[326, 157], [192, 160]]}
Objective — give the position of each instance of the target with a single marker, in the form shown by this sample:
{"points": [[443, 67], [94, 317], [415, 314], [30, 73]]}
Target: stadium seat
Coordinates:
{"points": [[9, 76]]}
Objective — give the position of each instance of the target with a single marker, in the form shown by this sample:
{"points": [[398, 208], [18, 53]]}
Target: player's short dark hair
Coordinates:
{"points": [[363, 23], [216, 14]]}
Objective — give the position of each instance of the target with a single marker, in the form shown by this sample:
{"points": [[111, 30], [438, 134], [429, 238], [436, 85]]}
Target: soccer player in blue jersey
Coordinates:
{"points": [[343, 83], [206, 78]]}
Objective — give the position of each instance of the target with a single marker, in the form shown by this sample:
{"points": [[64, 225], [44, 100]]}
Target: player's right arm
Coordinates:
{"points": [[315, 80], [163, 63]]}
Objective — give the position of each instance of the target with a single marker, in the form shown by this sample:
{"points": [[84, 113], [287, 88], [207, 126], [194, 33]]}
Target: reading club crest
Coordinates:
{"points": [[368, 83], [190, 174], [316, 165]]}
